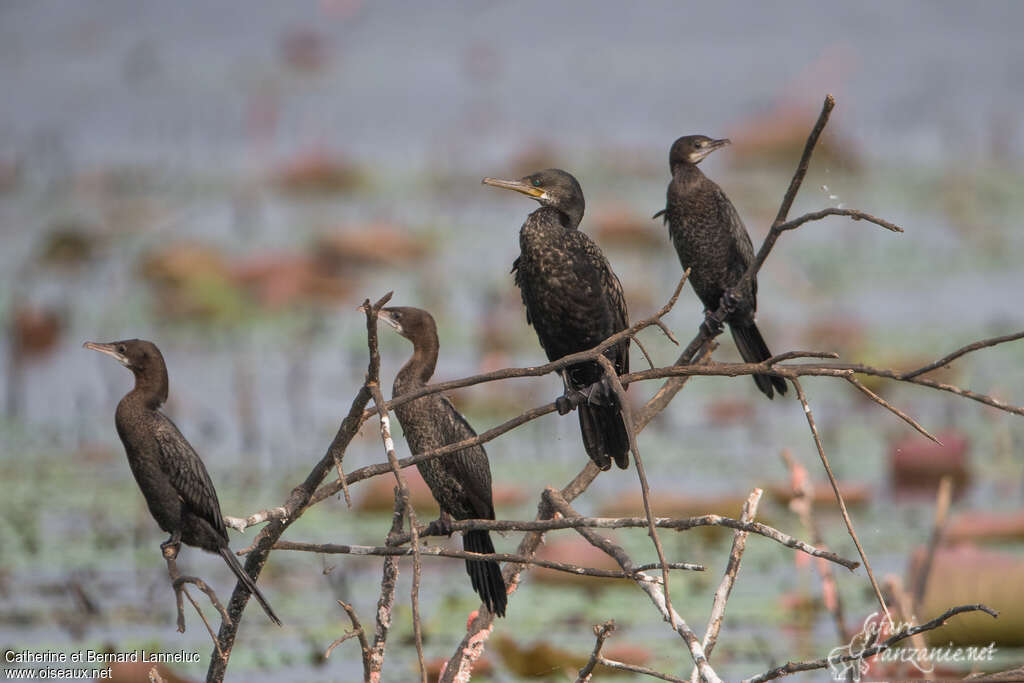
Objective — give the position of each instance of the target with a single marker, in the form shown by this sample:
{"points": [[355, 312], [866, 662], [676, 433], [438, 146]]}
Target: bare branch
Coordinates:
{"points": [[637, 669], [357, 631], [895, 411], [656, 595], [839, 496], [942, 501], [436, 551], [601, 631], [386, 601], [795, 667], [946, 360], [739, 542]]}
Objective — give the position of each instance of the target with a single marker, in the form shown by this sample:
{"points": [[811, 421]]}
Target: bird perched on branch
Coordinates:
{"points": [[713, 243], [172, 478], [460, 482], [574, 302]]}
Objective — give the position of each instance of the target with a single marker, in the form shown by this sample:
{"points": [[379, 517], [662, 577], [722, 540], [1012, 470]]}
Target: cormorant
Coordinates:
{"points": [[461, 481], [713, 243], [172, 478], [574, 301]]}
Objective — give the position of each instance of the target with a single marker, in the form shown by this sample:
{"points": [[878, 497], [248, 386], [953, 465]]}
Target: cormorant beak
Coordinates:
{"points": [[387, 317], [517, 185], [110, 350], [711, 147]]}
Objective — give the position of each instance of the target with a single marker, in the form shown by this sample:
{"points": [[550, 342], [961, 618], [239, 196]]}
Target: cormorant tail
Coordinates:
{"points": [[485, 574], [604, 435], [247, 581], [753, 349]]}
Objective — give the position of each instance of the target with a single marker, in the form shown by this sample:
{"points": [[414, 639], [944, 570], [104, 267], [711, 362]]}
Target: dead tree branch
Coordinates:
{"points": [[795, 667], [601, 632], [739, 543]]}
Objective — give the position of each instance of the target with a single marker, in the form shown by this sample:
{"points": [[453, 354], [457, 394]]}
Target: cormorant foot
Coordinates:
{"points": [[730, 300], [439, 527], [712, 326], [171, 546], [567, 403]]}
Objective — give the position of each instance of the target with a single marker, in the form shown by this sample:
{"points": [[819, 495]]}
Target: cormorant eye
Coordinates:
{"points": [[536, 182], [120, 348]]}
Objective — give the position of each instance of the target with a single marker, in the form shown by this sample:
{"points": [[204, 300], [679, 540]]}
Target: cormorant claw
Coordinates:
{"points": [[712, 326], [171, 546], [439, 527]]}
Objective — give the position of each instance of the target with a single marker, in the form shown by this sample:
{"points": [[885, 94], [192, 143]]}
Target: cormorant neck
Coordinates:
{"points": [[685, 169], [151, 387], [420, 368], [570, 217]]}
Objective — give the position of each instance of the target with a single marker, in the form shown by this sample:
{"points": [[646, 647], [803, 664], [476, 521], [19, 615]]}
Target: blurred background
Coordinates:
{"points": [[232, 180]]}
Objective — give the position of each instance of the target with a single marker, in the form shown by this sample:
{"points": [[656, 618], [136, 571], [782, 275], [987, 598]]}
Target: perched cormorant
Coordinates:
{"points": [[713, 243], [173, 479], [460, 482], [574, 301]]}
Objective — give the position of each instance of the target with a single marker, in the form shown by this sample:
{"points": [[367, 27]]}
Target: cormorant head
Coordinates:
{"points": [[143, 358], [691, 149], [411, 323], [552, 187]]}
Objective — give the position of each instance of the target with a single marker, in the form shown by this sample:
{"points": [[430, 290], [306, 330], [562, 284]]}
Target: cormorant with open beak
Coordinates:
{"points": [[711, 240], [574, 302], [172, 478]]}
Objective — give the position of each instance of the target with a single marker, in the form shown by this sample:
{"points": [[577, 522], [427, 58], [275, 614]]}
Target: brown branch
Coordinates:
{"points": [[386, 601], [739, 543], [178, 582], [839, 496], [297, 502], [637, 669], [680, 524], [357, 631], [645, 489], [795, 667], [652, 590], [437, 551], [946, 360], [894, 410], [852, 213], [601, 632]]}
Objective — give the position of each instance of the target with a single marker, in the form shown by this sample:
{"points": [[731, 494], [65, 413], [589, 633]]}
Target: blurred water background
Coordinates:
{"points": [[232, 180]]}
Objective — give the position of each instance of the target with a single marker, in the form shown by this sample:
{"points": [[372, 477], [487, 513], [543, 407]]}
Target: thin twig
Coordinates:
{"points": [[680, 524], [739, 543], [637, 669], [645, 489], [652, 590], [795, 667], [894, 410], [839, 496], [178, 582], [601, 632], [963, 350], [359, 632], [437, 551]]}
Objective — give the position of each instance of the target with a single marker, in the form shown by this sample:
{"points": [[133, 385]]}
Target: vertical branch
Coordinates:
{"points": [[839, 496], [601, 631], [739, 543], [373, 382], [645, 489], [386, 601]]}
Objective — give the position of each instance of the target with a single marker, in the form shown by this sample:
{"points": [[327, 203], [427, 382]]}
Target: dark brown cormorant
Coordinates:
{"points": [[173, 479], [461, 481], [713, 243], [574, 301]]}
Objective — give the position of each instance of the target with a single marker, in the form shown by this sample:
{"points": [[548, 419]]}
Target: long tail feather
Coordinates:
{"points": [[485, 575], [243, 576]]}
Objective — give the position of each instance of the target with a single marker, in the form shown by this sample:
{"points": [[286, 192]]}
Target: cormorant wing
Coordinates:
{"points": [[180, 462], [474, 473]]}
